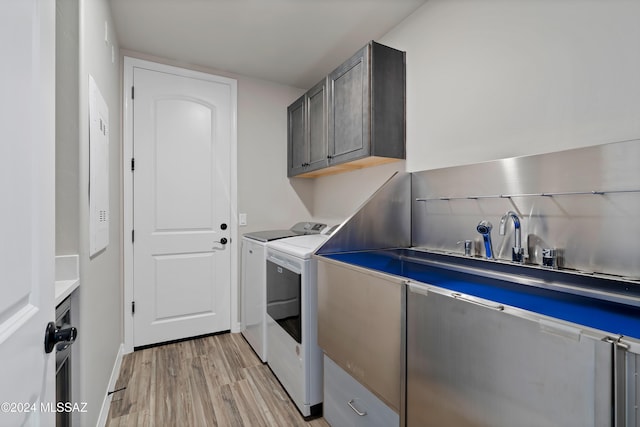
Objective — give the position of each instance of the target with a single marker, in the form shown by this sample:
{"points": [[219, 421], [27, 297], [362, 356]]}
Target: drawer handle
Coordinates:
{"points": [[350, 403], [461, 297]]}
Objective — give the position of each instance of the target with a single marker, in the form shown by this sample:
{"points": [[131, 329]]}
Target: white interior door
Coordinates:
{"points": [[182, 129], [27, 188]]}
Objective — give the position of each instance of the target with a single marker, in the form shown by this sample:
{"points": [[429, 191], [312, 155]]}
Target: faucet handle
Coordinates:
{"points": [[469, 247], [503, 225], [517, 254], [550, 257]]}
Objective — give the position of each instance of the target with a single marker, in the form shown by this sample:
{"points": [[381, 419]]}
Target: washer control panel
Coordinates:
{"points": [[308, 227]]}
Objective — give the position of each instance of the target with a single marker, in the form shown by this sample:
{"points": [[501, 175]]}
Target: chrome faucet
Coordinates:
{"points": [[484, 228], [517, 252]]}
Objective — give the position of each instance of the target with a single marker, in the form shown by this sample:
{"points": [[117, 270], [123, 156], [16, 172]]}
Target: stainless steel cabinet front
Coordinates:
{"points": [[475, 363], [359, 327]]}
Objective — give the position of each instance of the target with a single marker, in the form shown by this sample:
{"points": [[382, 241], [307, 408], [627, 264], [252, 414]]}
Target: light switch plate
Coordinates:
{"points": [[242, 219]]}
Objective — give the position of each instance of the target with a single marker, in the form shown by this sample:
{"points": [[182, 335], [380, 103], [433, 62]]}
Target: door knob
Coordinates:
{"points": [[53, 336]]}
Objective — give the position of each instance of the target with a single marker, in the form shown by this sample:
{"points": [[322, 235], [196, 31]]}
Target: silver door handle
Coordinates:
{"points": [[350, 403], [461, 297]]}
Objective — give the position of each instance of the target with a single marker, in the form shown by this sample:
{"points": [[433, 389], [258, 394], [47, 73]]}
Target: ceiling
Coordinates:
{"points": [[292, 42]]}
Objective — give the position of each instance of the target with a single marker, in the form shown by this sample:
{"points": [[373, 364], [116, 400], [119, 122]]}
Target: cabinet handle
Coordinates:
{"points": [[622, 345], [350, 403], [461, 297], [619, 382]]}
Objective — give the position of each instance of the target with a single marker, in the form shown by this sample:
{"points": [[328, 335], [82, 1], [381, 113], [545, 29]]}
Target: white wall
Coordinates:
{"points": [[265, 194], [100, 298], [336, 197], [492, 79], [67, 123]]}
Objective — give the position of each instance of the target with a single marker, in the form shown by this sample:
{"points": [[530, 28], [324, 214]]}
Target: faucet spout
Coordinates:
{"points": [[517, 253]]}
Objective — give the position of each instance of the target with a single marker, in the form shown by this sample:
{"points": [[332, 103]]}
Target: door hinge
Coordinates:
{"points": [[132, 92], [133, 307], [133, 164], [133, 236]]}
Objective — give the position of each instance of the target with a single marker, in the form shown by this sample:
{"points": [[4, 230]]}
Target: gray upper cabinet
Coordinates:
{"points": [[349, 118], [307, 133], [297, 141], [352, 119], [317, 126]]}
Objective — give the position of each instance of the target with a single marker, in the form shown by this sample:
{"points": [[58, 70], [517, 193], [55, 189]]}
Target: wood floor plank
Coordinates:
{"points": [[202, 406], [274, 398], [210, 381], [167, 391], [246, 354], [230, 406], [246, 403]]}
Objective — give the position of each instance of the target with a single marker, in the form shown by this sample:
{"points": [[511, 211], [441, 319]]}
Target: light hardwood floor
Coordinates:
{"points": [[211, 381]]}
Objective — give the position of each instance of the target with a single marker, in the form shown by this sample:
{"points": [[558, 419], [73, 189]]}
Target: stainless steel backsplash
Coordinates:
{"points": [[382, 222], [583, 202]]}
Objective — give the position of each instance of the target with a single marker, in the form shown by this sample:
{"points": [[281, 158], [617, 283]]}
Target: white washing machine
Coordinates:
{"points": [[253, 281], [292, 320]]}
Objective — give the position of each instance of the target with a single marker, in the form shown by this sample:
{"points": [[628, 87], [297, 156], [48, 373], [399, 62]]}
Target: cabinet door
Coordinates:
{"points": [[349, 109], [359, 323], [472, 362], [316, 99], [298, 148], [627, 382]]}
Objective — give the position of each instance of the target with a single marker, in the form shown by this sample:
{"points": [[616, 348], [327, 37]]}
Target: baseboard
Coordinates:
{"points": [[236, 327], [106, 404]]}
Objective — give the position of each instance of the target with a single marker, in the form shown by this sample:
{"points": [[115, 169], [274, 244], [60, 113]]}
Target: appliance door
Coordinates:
{"points": [[474, 362], [63, 364], [284, 297]]}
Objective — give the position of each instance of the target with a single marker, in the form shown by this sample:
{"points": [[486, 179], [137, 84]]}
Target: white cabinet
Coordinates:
{"points": [[347, 403]]}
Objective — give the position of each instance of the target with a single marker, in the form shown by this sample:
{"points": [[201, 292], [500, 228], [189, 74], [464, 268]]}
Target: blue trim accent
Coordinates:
{"points": [[618, 319]]}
